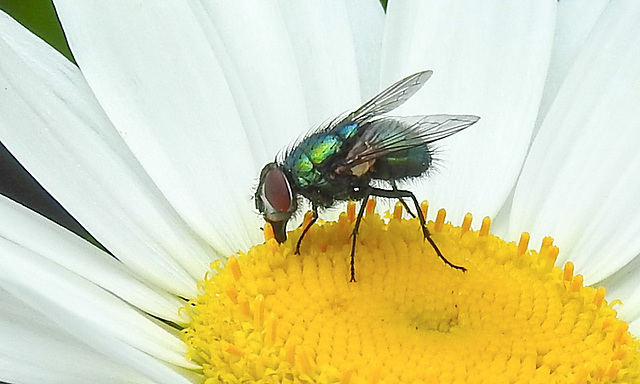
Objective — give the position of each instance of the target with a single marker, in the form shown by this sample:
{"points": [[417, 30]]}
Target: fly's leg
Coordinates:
{"points": [[398, 193], [394, 186], [354, 234], [306, 229]]}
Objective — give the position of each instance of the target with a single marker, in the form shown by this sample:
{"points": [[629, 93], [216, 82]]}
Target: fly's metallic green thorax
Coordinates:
{"points": [[312, 163], [308, 162], [340, 160]]}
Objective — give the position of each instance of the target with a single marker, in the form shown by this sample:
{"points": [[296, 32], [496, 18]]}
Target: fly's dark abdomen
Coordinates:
{"points": [[404, 164]]}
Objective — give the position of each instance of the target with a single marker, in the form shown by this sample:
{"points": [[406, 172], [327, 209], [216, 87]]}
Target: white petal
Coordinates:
{"points": [[321, 35], [33, 350], [575, 20], [53, 125], [367, 28], [634, 328], [22, 226], [38, 358], [154, 72], [251, 42], [79, 307], [165, 89], [580, 182], [254, 45], [623, 285], [489, 59]]}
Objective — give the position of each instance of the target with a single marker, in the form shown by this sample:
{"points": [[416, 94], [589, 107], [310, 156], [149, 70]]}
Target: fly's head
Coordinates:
{"points": [[275, 199]]}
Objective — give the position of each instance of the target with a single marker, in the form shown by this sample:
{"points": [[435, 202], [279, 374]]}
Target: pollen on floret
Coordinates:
{"points": [[397, 211], [486, 225], [440, 220], [523, 244], [273, 316], [424, 207], [268, 232], [466, 223]]}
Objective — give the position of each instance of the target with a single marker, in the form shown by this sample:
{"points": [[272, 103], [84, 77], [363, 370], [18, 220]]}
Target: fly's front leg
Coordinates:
{"points": [[398, 193], [306, 229], [354, 235]]}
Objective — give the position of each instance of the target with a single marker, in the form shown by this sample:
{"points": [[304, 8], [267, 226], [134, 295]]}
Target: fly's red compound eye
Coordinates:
{"points": [[277, 190]]}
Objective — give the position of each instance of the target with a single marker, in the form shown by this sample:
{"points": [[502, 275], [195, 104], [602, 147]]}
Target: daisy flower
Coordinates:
{"points": [[155, 140]]}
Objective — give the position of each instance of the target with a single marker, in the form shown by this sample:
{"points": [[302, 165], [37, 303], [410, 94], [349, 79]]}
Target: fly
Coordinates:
{"points": [[340, 160]]}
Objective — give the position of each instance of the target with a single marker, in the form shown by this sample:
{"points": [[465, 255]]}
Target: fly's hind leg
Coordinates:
{"points": [[394, 186], [399, 193], [306, 229]]}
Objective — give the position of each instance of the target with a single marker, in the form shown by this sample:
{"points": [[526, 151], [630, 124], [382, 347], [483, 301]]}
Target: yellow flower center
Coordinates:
{"points": [[272, 316]]}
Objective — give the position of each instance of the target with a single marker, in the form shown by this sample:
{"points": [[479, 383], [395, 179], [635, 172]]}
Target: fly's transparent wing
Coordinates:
{"points": [[391, 98], [387, 135], [437, 127]]}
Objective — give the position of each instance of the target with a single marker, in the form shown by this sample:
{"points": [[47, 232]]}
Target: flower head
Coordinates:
{"points": [[154, 141], [271, 315]]}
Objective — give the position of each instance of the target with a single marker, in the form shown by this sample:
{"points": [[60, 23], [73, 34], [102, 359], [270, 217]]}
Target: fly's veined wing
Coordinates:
{"points": [[387, 135], [391, 98]]}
